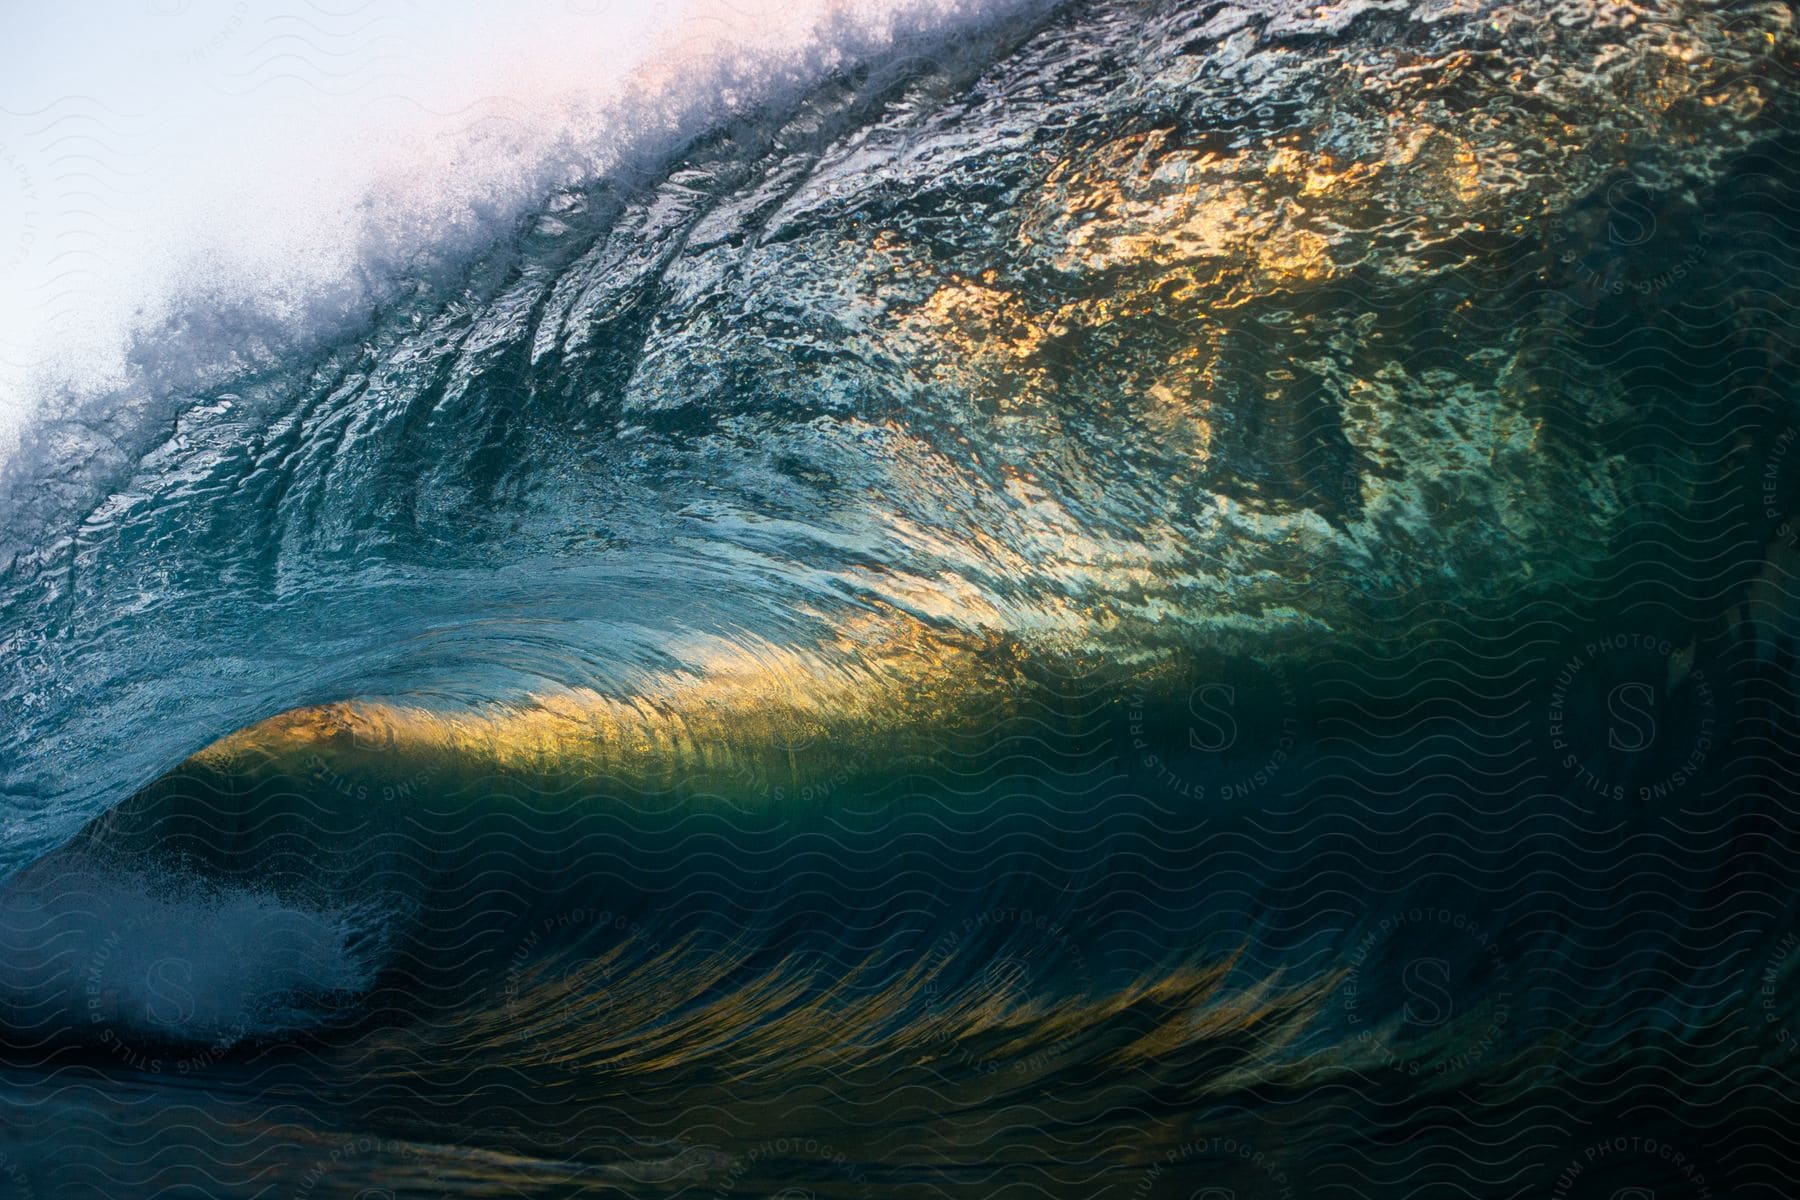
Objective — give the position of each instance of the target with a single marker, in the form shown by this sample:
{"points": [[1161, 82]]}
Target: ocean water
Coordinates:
{"points": [[1142, 599]]}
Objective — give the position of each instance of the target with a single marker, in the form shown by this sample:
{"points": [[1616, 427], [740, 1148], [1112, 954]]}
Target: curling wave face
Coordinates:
{"points": [[927, 604]]}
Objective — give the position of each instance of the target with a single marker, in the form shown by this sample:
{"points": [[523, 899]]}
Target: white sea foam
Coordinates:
{"points": [[138, 961]]}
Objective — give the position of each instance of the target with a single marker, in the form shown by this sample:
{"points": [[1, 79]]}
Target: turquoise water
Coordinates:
{"points": [[1144, 599]]}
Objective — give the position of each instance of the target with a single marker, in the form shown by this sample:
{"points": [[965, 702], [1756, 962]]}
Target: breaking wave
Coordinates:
{"points": [[1121, 598]]}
